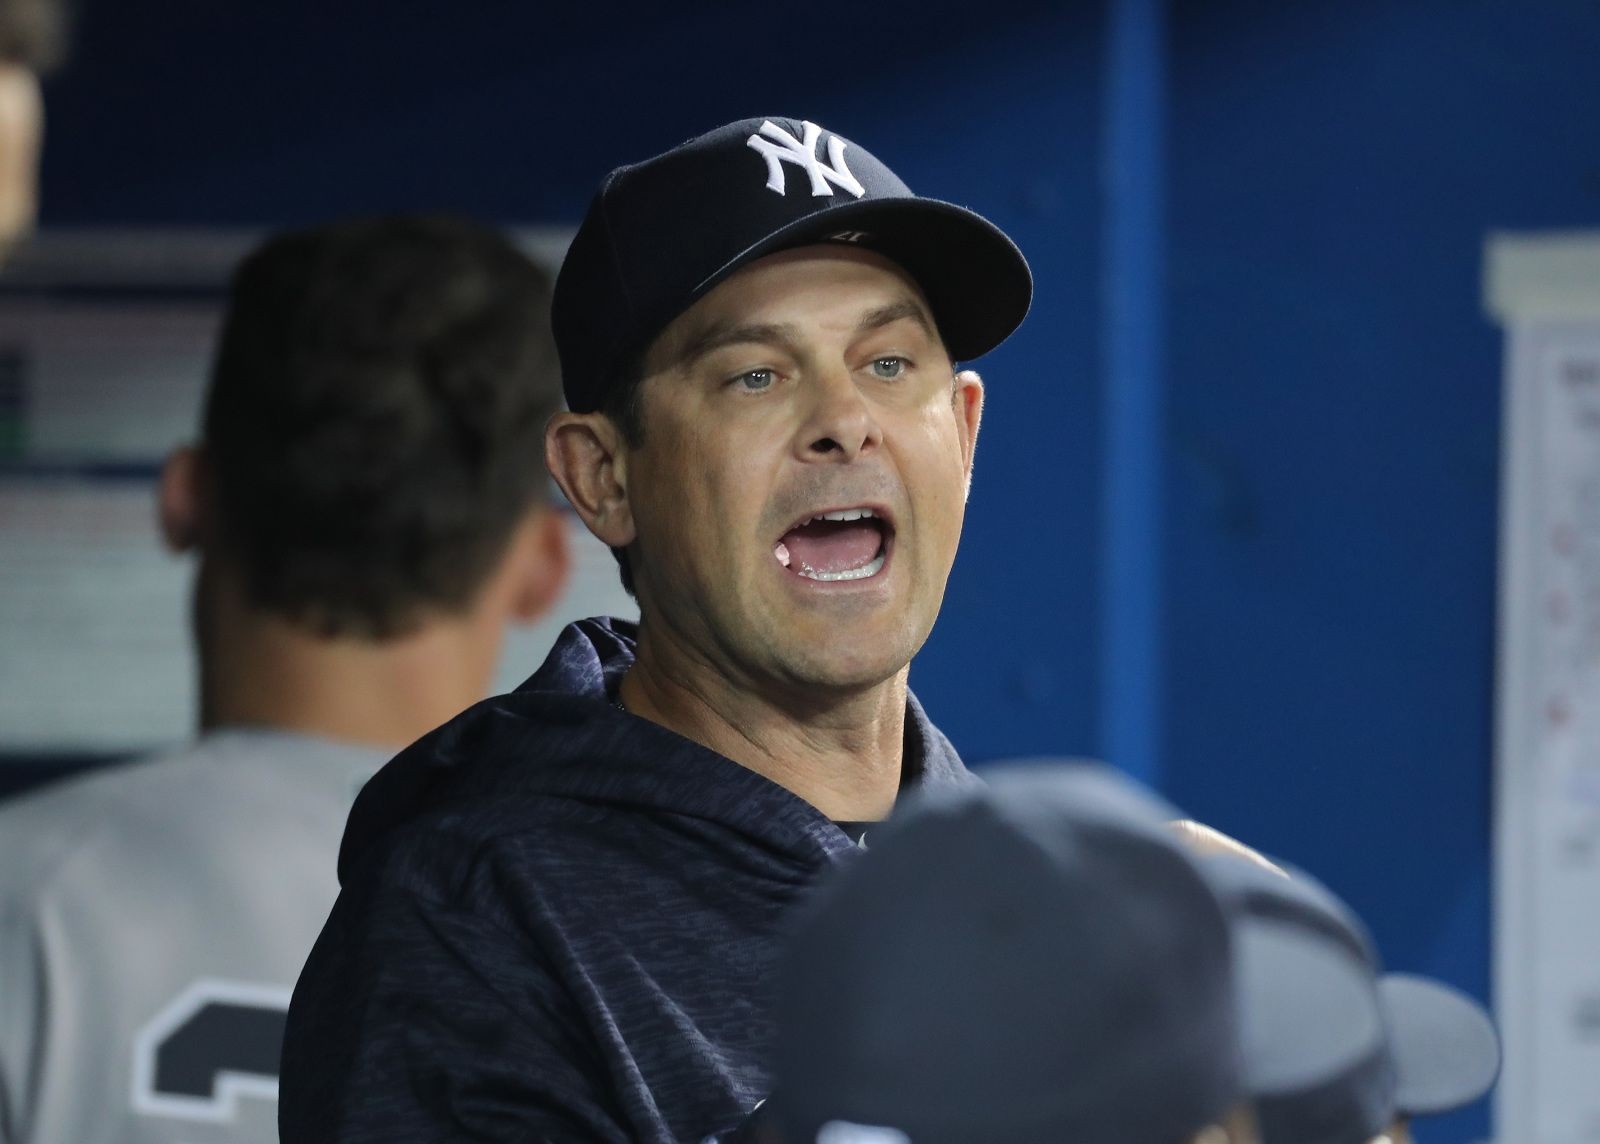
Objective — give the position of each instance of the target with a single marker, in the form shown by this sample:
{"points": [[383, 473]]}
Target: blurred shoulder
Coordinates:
{"points": [[42, 830], [130, 808]]}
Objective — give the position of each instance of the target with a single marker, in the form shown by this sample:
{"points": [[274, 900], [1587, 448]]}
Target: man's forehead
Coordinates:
{"points": [[772, 294]]}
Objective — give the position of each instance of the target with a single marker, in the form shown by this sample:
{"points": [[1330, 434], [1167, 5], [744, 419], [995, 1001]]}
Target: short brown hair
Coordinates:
{"points": [[33, 33], [376, 417]]}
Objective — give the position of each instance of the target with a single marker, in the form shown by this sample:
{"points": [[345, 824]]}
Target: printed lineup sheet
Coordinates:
{"points": [[1547, 894], [104, 353]]}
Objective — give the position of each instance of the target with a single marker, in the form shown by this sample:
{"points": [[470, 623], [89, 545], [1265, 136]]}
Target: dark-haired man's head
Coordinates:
{"points": [[370, 474], [759, 333], [32, 41]]}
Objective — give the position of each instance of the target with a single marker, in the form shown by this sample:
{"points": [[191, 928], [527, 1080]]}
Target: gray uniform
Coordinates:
{"points": [[153, 920]]}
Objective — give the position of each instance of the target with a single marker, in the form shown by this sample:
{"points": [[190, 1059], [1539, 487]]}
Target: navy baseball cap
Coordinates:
{"points": [[661, 234], [1037, 958], [1334, 1049], [1445, 1048], [1314, 1037]]}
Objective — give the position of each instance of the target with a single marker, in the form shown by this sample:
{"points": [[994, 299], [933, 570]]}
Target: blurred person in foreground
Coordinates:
{"points": [[369, 509], [32, 41], [1380, 1049], [560, 915], [1035, 960]]}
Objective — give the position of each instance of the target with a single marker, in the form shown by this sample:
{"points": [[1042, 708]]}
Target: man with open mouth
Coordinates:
{"points": [[561, 911]]}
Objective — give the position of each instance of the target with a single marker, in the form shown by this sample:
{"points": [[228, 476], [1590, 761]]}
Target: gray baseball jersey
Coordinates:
{"points": [[153, 919]]}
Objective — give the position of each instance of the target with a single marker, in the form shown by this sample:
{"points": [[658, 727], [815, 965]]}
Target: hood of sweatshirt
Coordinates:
{"points": [[562, 735]]}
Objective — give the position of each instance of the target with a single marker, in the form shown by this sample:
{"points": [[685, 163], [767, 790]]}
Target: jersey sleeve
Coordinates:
{"points": [[419, 1020]]}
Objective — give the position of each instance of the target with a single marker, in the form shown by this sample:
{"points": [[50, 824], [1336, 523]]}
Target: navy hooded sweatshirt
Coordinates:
{"points": [[558, 921]]}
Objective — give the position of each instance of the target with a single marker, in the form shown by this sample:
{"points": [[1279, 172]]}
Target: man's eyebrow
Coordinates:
{"points": [[719, 334], [897, 311]]}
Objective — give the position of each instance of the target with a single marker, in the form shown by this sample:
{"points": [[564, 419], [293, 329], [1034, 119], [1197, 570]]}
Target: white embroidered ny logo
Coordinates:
{"points": [[779, 147]]}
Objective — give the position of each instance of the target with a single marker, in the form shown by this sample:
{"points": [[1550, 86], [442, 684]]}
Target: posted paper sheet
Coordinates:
{"points": [[1547, 895]]}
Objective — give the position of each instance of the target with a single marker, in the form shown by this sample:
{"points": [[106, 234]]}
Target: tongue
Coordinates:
{"points": [[833, 545]]}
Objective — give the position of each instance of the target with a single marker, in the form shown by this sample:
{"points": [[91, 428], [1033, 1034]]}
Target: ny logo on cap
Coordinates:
{"points": [[779, 147]]}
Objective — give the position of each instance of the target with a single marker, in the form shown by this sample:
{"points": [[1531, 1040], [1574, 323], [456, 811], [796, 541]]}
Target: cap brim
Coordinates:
{"points": [[1307, 1010], [1445, 1048], [975, 279]]}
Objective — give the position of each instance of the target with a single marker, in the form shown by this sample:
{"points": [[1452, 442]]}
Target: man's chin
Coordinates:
{"points": [[848, 664]]}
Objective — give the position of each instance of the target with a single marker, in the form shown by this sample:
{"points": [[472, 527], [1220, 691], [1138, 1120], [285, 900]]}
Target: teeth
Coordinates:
{"points": [[861, 573], [781, 551], [846, 514]]}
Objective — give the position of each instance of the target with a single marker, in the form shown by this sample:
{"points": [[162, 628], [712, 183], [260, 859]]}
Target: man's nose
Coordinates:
{"points": [[839, 424]]}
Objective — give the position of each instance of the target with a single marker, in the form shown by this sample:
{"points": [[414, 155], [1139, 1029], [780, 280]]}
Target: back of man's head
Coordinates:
{"points": [[373, 430], [32, 33]]}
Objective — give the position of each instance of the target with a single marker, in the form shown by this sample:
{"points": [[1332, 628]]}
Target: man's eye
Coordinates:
{"points": [[888, 368], [754, 380]]}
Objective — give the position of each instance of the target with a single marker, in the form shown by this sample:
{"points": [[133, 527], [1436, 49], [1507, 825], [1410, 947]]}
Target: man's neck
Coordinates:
{"points": [[263, 671], [842, 753]]}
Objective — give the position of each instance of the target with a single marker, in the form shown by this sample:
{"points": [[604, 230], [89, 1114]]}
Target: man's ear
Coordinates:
{"points": [[967, 397], [585, 454], [181, 498], [545, 559]]}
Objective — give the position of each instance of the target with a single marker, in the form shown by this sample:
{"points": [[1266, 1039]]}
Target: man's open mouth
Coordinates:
{"points": [[841, 544]]}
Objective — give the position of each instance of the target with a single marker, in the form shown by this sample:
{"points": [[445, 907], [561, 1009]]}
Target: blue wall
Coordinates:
{"points": [[1331, 388], [1334, 416]]}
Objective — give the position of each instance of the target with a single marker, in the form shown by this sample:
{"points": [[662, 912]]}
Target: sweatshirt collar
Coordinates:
{"points": [[561, 735]]}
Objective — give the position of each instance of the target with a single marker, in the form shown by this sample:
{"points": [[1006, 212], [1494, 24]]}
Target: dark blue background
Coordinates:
{"points": [[1331, 385]]}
